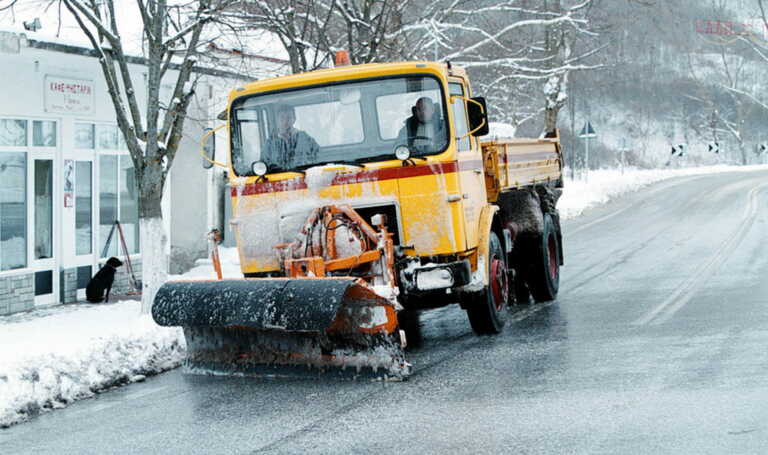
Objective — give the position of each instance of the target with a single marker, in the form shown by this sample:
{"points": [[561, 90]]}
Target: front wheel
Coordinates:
{"points": [[489, 309]]}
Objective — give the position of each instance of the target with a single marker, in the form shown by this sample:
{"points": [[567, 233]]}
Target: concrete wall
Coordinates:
{"points": [[17, 293]]}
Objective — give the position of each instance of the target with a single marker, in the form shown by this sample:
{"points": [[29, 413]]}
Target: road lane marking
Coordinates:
{"points": [[686, 290], [143, 393], [112, 403]]}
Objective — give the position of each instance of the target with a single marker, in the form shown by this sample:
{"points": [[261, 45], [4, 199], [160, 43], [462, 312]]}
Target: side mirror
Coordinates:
{"points": [[478, 116], [209, 148]]}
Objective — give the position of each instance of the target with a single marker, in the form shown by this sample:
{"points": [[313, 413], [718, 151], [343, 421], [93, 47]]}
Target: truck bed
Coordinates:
{"points": [[517, 162]]}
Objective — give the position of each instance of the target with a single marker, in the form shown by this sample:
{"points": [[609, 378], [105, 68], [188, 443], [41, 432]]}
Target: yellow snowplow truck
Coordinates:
{"points": [[362, 195]]}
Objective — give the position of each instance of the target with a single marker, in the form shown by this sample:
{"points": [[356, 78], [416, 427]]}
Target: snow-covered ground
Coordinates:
{"points": [[51, 357]]}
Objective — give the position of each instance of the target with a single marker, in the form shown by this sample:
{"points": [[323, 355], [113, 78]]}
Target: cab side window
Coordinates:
{"points": [[459, 116]]}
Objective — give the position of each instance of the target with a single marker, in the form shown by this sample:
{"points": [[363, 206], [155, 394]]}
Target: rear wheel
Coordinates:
{"points": [[544, 279], [521, 291], [488, 312]]}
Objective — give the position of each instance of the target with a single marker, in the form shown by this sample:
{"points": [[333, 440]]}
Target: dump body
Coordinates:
{"points": [[512, 163]]}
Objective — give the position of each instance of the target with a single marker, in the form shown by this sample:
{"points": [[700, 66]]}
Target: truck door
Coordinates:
{"points": [[470, 163]]}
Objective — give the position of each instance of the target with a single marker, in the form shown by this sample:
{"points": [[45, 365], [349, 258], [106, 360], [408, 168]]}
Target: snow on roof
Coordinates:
{"points": [[59, 26], [254, 53]]}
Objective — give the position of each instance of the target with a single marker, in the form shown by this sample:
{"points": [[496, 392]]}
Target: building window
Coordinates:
{"points": [[118, 193], [83, 207], [107, 203], [13, 209], [43, 133], [43, 209], [129, 204], [107, 135], [85, 136], [13, 132]]}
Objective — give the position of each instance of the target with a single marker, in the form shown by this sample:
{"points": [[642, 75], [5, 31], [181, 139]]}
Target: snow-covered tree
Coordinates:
{"points": [[172, 36], [515, 50], [727, 70]]}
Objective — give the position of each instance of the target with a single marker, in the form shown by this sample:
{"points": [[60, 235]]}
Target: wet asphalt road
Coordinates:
{"points": [[658, 343]]}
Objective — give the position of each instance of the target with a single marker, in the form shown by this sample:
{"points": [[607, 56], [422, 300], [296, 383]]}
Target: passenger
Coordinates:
{"points": [[287, 146], [425, 128]]}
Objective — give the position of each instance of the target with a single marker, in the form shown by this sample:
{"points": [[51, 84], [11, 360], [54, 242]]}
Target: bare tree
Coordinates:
{"points": [[7, 4], [300, 25], [312, 30], [364, 28], [172, 37]]}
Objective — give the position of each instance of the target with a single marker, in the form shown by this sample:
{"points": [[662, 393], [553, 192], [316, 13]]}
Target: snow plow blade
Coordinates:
{"points": [[284, 327]]}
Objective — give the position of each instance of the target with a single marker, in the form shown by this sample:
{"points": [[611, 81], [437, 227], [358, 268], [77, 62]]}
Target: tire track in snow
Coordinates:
{"points": [[687, 289]]}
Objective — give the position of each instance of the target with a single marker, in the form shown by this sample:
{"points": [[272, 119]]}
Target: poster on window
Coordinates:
{"points": [[69, 183]]}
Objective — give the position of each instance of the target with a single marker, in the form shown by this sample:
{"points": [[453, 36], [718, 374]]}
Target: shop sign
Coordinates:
{"points": [[68, 96]]}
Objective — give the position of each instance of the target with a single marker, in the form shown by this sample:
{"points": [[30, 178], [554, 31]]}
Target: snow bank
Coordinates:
{"points": [[47, 362], [606, 184], [52, 357]]}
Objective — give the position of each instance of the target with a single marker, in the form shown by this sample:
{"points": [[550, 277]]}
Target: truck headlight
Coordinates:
{"points": [[402, 153], [259, 168]]}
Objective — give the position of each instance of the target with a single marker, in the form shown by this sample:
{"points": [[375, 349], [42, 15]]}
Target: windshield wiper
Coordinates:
{"points": [[388, 157], [323, 163]]}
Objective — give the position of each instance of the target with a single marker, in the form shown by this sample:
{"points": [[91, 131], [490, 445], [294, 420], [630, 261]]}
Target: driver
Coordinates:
{"points": [[288, 146], [424, 128]]}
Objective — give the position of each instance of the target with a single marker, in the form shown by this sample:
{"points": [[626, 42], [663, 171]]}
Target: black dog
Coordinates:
{"points": [[102, 281]]}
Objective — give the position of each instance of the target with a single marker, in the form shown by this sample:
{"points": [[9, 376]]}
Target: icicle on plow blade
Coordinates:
{"points": [[284, 327]]}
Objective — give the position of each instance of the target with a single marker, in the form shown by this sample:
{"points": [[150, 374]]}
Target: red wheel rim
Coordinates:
{"points": [[499, 287], [552, 252]]}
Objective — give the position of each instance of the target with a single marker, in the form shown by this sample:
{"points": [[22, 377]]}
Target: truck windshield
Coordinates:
{"points": [[343, 123]]}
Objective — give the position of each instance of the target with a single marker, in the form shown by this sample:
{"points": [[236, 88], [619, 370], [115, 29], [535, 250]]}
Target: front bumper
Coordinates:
{"points": [[434, 277]]}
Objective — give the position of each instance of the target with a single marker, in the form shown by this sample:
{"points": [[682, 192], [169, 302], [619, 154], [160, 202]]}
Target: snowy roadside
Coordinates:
{"points": [[52, 357], [607, 184], [49, 361]]}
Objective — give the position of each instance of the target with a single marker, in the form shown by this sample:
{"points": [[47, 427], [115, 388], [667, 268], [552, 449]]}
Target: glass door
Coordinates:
{"points": [[84, 224], [43, 253]]}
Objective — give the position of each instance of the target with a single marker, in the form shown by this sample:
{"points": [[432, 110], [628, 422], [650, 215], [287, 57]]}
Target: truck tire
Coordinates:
{"points": [[409, 321], [489, 309], [519, 288], [544, 277]]}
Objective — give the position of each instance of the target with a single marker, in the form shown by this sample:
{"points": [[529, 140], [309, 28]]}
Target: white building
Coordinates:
{"points": [[66, 176]]}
